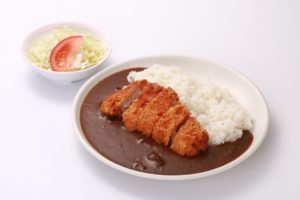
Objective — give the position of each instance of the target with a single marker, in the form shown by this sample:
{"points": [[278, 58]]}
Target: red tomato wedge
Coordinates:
{"points": [[63, 54]]}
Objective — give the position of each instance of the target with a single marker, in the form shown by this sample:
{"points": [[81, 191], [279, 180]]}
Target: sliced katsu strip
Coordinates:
{"points": [[155, 109], [131, 115], [169, 122], [190, 139], [116, 103]]}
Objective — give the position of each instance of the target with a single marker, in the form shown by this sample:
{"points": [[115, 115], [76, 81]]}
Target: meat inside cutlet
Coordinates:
{"points": [[116, 103], [190, 139], [131, 115], [155, 109], [168, 123]]}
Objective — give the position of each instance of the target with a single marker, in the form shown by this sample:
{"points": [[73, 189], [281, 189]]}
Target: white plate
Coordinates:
{"points": [[241, 88]]}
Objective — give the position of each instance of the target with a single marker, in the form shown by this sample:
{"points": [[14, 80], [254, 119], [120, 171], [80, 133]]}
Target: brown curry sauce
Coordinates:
{"points": [[132, 150]]}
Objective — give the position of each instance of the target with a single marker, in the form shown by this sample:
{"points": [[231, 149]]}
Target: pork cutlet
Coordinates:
{"points": [[156, 111]]}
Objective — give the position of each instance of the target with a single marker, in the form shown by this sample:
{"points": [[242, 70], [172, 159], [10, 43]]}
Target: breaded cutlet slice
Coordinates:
{"points": [[116, 103], [169, 122], [155, 109], [190, 139], [131, 115]]}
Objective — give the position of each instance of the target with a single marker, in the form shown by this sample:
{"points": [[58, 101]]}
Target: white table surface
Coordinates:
{"points": [[40, 157]]}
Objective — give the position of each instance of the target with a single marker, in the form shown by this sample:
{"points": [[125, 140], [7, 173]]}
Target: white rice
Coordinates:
{"points": [[214, 107]]}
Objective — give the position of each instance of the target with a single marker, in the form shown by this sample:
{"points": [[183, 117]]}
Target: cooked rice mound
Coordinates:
{"points": [[214, 107]]}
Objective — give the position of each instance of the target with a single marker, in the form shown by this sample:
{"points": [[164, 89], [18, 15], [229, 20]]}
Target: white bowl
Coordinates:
{"points": [[66, 77], [241, 88]]}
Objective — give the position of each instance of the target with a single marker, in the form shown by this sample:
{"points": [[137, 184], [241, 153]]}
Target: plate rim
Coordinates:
{"points": [[92, 81]]}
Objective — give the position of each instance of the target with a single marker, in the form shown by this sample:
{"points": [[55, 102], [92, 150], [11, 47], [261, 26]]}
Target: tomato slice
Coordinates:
{"points": [[63, 54]]}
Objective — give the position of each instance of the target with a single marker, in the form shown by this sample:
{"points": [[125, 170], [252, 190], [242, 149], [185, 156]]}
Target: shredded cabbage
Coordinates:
{"points": [[92, 48]]}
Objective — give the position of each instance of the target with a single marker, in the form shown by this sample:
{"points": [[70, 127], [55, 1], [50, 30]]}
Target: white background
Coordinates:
{"points": [[40, 157]]}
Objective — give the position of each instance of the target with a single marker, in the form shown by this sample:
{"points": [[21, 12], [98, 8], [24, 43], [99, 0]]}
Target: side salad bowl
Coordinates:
{"points": [[66, 77]]}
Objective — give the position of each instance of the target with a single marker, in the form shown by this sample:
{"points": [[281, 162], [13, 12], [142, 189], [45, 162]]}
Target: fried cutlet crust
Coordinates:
{"points": [[155, 109], [116, 103], [168, 123], [131, 115], [190, 139]]}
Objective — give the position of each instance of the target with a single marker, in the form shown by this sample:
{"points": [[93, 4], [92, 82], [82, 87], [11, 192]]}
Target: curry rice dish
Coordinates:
{"points": [[143, 126]]}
